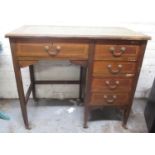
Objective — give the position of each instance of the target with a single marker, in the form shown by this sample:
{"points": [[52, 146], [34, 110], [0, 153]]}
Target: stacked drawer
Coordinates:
{"points": [[114, 70]]}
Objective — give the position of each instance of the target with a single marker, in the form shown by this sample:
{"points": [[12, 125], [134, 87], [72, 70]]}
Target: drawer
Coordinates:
{"points": [[109, 99], [53, 50], [111, 68], [112, 85], [116, 52]]}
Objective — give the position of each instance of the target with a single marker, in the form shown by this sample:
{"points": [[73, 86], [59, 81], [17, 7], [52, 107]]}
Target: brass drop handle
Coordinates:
{"points": [[112, 86], [112, 49], [117, 54], [111, 99], [58, 48], [53, 51], [115, 71], [46, 48], [123, 49]]}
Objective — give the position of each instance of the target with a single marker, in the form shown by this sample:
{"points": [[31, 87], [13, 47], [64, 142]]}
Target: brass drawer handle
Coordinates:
{"points": [[123, 49], [53, 51], [115, 71], [46, 48], [110, 100], [114, 86], [117, 54]]}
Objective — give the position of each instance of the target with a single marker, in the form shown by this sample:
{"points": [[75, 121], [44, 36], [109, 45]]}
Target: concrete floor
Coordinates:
{"points": [[60, 116]]}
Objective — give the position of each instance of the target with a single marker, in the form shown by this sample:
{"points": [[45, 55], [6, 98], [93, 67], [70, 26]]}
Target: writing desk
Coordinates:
{"points": [[110, 60]]}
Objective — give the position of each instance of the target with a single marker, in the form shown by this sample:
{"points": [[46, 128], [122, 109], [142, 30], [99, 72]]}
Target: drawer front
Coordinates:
{"points": [[112, 85], [98, 99], [110, 68], [117, 52], [53, 50]]}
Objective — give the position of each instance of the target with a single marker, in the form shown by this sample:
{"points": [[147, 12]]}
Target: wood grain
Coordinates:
{"points": [[110, 84], [35, 31], [67, 50], [104, 52], [111, 57], [99, 99], [101, 69]]}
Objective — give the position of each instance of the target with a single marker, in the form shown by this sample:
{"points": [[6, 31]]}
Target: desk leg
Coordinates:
{"points": [[89, 73], [82, 83], [21, 94], [32, 78], [19, 83], [81, 77], [125, 116], [86, 115]]}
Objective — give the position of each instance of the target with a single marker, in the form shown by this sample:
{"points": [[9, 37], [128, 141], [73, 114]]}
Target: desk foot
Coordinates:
{"points": [[85, 126], [86, 115], [28, 127], [124, 126], [125, 117]]}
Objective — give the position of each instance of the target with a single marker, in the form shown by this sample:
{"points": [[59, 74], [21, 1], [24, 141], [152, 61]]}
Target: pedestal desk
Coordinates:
{"points": [[110, 60]]}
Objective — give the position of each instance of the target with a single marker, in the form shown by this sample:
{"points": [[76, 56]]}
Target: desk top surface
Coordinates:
{"points": [[76, 32]]}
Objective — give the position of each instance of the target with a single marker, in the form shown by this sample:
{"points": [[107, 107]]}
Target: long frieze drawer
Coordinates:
{"points": [[53, 50], [112, 85], [116, 52], [110, 68], [109, 99]]}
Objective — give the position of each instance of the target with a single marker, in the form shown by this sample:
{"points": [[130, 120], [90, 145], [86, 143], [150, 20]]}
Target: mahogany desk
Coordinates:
{"points": [[110, 60]]}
